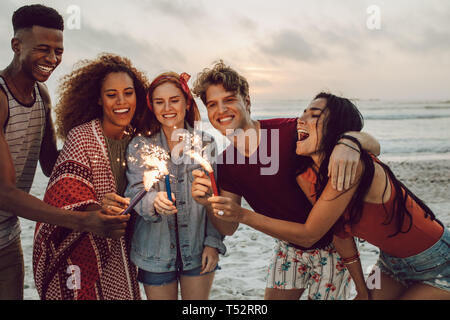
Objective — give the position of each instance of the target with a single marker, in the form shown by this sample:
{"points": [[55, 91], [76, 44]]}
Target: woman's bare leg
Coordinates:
{"points": [[196, 288], [390, 289], [422, 291], [164, 292], [283, 294]]}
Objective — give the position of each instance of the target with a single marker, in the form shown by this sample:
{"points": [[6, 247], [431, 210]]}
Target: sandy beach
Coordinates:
{"points": [[244, 266]]}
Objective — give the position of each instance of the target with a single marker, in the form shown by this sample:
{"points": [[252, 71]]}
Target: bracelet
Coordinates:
{"points": [[351, 259], [351, 262], [351, 147], [356, 256], [351, 138]]}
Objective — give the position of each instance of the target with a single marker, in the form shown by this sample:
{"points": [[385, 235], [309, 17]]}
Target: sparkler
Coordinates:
{"points": [[155, 159], [196, 142], [207, 166]]}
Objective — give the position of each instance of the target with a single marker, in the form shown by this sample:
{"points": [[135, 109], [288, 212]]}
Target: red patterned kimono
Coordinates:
{"points": [[71, 265]]}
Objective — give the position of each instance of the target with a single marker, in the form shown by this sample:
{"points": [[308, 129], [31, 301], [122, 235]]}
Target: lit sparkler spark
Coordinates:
{"points": [[196, 141], [155, 160], [207, 166]]}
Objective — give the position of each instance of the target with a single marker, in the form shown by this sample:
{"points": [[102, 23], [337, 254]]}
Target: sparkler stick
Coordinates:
{"points": [[135, 201], [213, 183], [205, 164], [168, 189]]}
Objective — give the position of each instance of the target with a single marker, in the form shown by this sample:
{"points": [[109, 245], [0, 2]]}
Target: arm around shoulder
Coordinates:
{"points": [[368, 142]]}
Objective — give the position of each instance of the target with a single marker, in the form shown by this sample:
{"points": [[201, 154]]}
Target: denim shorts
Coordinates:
{"points": [[163, 278], [431, 266]]}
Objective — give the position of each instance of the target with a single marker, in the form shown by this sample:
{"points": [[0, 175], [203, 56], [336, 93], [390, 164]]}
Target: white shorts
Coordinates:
{"points": [[320, 270]]}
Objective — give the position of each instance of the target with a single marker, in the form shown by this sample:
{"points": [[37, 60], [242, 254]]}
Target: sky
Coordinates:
{"points": [[287, 49]]}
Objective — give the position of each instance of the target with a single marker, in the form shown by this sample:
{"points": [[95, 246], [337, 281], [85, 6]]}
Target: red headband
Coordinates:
{"points": [[184, 78]]}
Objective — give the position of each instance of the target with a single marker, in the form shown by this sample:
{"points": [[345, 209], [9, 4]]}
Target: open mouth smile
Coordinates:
{"points": [[302, 134], [45, 69], [169, 116], [225, 119], [121, 111]]}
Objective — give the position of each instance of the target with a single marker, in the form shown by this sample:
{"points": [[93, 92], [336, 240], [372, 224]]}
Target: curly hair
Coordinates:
{"points": [[79, 91], [148, 124], [220, 74]]}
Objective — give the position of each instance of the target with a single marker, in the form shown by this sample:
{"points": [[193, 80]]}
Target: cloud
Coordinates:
{"points": [[6, 31], [292, 45], [182, 10], [428, 39], [88, 42], [246, 23]]}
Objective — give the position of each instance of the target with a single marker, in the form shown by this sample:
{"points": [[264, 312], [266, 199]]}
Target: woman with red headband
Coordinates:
{"points": [[173, 241]]}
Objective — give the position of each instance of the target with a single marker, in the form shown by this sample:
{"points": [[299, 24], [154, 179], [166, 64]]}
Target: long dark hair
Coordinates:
{"points": [[343, 116]]}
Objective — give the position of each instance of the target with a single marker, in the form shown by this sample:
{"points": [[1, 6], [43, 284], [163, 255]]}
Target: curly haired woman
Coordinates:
{"points": [[99, 104]]}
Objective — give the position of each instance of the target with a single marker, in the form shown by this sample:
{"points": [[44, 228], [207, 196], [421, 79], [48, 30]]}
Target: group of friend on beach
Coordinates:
{"points": [[329, 187]]}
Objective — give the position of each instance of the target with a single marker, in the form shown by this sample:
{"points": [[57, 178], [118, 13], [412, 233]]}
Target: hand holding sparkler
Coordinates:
{"points": [[207, 166], [201, 187], [150, 178], [163, 205], [154, 159], [114, 204]]}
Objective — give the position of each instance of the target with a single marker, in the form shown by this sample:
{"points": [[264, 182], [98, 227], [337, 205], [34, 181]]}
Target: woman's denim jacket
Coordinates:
{"points": [[155, 241]]}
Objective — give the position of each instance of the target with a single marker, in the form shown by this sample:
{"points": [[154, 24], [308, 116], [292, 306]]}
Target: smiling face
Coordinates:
{"points": [[310, 128], [227, 110], [169, 105], [39, 51], [118, 99]]}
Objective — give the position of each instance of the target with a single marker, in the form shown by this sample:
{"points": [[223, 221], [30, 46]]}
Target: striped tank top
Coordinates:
{"points": [[24, 130]]}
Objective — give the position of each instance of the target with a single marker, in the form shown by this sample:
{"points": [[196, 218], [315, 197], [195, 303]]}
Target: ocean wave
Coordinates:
{"points": [[410, 148], [437, 107], [409, 157], [405, 116]]}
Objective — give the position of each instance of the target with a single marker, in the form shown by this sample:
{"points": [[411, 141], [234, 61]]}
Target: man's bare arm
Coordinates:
{"points": [[345, 157], [49, 152], [26, 206], [368, 142], [7, 171]]}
